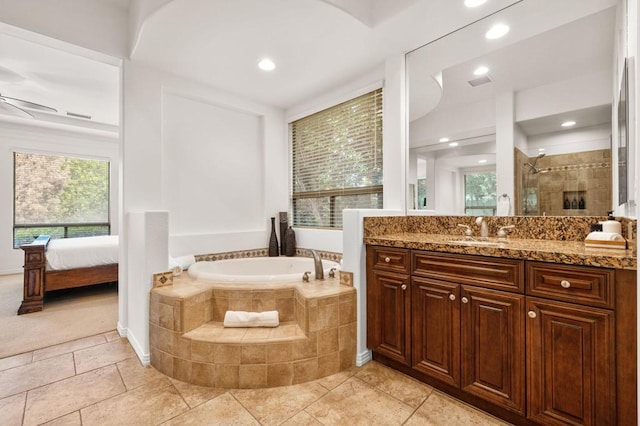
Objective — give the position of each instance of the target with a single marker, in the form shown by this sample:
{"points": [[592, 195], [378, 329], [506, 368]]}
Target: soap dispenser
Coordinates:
{"points": [[611, 224]]}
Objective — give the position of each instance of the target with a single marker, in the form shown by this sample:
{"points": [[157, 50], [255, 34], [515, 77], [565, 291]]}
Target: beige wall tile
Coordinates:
{"points": [[279, 352], [253, 354], [219, 306], [348, 312], [203, 374], [162, 361], [285, 309], [202, 351], [227, 376], [305, 370], [328, 316], [240, 305], [327, 341], [226, 354], [253, 376], [193, 316], [183, 369], [347, 335], [279, 374], [305, 348], [328, 364]]}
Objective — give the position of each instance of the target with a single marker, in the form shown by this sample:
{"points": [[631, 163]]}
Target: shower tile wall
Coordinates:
{"points": [[585, 174]]}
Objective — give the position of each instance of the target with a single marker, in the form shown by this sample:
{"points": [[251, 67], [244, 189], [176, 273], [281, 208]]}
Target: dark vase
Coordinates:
{"points": [[581, 204], [273, 240], [567, 204], [284, 222], [574, 203], [290, 242]]}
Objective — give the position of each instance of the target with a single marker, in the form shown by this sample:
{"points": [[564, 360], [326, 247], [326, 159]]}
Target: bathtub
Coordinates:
{"points": [[258, 269]]}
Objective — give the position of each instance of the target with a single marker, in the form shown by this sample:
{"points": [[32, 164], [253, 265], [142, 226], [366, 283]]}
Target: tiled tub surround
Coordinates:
{"points": [[316, 336], [549, 239]]}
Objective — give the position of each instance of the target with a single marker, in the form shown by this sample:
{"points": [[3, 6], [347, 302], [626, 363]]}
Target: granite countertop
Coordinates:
{"points": [[567, 252]]}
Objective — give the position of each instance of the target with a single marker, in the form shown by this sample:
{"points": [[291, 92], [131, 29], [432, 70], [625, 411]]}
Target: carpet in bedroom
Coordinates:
{"points": [[67, 315]]}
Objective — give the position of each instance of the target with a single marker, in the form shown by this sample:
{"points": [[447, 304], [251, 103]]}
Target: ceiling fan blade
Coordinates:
{"points": [[19, 103], [13, 110]]}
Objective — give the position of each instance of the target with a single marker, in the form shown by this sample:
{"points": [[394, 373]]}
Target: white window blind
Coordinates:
{"points": [[59, 196], [337, 161]]}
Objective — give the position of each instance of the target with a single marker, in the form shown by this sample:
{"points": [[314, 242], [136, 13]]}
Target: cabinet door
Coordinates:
{"points": [[388, 315], [570, 364], [493, 352], [436, 329]]}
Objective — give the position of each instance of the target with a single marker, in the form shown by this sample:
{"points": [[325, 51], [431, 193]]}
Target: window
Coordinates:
{"points": [[480, 193], [337, 161], [59, 196]]}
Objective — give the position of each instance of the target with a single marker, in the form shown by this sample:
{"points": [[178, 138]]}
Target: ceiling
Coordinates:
{"points": [[317, 45]]}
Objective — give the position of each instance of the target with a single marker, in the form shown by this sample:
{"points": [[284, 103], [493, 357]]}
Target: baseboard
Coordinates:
{"points": [[122, 331], [363, 358], [145, 358]]}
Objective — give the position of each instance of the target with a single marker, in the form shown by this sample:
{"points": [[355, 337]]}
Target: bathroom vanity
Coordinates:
{"points": [[533, 331]]}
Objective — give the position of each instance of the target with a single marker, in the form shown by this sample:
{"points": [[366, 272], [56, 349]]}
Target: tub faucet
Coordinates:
{"points": [[317, 262], [484, 230]]}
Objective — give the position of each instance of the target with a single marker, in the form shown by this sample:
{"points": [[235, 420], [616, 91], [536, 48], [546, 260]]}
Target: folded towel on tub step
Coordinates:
{"points": [[251, 319]]}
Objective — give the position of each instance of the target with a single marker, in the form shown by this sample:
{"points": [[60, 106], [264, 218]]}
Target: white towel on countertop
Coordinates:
{"points": [[251, 319]]}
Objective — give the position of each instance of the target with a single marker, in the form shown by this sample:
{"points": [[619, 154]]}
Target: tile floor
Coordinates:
{"points": [[98, 380]]}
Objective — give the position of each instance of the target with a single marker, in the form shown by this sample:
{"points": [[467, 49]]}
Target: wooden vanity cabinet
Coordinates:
{"points": [[389, 303], [532, 342]]}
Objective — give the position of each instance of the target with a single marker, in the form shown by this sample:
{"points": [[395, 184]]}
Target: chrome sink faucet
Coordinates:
{"points": [[317, 263], [484, 230]]}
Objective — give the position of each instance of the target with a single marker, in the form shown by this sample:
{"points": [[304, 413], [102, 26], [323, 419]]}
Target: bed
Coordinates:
{"points": [[66, 263]]}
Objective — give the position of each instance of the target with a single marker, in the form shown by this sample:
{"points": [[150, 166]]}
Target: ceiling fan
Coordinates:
{"points": [[16, 106]]}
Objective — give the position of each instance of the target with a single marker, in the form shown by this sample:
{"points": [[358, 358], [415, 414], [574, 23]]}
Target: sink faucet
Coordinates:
{"points": [[317, 263], [484, 230]]}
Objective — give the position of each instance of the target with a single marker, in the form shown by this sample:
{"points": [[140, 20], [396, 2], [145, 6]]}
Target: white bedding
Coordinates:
{"points": [[70, 253]]}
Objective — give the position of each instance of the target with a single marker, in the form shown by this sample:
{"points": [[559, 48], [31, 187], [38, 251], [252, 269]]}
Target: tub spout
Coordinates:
{"points": [[317, 262]]}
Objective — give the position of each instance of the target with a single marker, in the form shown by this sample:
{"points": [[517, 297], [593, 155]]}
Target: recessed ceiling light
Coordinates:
{"points": [[474, 3], [453, 144], [266, 65], [497, 31], [481, 70], [444, 139], [482, 161], [568, 123]]}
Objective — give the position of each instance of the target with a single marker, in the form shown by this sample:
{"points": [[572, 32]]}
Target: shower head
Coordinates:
{"points": [[535, 170]]}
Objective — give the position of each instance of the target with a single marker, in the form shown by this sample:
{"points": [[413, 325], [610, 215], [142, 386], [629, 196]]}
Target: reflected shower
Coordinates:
{"points": [[535, 170]]}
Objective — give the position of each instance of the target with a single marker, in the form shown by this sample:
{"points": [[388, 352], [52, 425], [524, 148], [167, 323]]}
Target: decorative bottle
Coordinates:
{"points": [[567, 204], [574, 203], [273, 240], [284, 222], [581, 203], [290, 242]]}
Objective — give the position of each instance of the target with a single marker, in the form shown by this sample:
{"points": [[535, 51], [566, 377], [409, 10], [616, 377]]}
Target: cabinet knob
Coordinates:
{"points": [[532, 314], [452, 297], [465, 300], [565, 284], [404, 286], [387, 259]]}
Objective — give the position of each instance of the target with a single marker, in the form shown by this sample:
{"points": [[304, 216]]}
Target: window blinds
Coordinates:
{"points": [[337, 161]]}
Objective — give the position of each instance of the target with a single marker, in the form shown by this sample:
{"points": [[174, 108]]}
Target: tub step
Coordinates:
{"points": [[215, 332]]}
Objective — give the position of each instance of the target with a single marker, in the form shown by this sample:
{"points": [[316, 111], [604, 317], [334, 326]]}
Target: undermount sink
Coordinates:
{"points": [[476, 242]]}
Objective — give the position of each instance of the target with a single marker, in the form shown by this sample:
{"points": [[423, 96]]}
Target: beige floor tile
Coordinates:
{"points": [[15, 361], [224, 410], [302, 419], [275, 405], [68, 347], [63, 397], [72, 419], [112, 335], [101, 355], [134, 374], [335, 380], [11, 409], [142, 406], [395, 384], [440, 409], [356, 403], [195, 395], [29, 376]]}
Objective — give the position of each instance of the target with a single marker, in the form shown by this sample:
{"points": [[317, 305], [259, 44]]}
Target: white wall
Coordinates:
{"points": [[28, 135], [217, 163]]}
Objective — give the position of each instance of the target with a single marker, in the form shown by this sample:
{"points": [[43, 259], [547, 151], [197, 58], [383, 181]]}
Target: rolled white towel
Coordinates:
{"points": [[251, 319], [175, 268]]}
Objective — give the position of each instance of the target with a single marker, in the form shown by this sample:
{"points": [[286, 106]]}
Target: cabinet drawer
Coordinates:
{"points": [[496, 273], [577, 284], [390, 259]]}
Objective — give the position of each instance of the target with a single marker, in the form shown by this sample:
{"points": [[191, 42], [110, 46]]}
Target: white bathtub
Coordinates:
{"points": [[258, 269]]}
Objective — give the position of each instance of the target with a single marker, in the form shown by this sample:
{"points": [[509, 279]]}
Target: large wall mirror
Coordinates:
{"points": [[521, 124]]}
